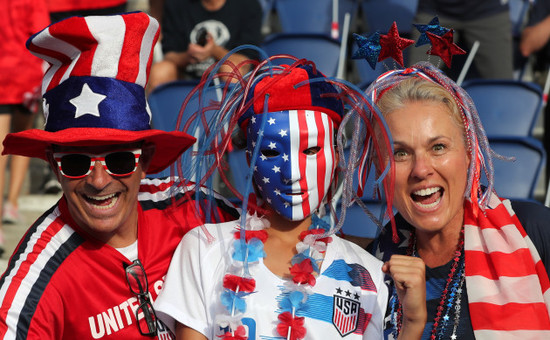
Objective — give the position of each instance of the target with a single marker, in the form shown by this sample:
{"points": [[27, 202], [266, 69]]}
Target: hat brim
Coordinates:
{"points": [[34, 142]]}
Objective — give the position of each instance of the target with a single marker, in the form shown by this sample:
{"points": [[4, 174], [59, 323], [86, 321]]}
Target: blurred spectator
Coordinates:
{"points": [[534, 42], [487, 21], [20, 78], [197, 33], [536, 35], [61, 9]]}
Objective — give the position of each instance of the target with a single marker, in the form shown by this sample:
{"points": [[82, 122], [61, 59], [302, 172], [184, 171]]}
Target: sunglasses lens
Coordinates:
{"points": [[121, 163], [75, 164]]}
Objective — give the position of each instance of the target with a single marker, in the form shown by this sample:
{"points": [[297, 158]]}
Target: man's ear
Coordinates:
{"points": [[147, 152]]}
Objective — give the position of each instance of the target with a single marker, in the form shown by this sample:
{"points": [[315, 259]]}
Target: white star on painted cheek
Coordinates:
{"points": [[282, 133], [276, 169], [285, 157], [271, 121], [272, 145], [87, 103]]}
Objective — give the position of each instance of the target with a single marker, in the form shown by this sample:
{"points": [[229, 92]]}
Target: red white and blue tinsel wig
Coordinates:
{"points": [[270, 87]]}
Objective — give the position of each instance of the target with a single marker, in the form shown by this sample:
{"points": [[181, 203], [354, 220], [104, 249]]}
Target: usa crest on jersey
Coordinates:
{"points": [[345, 314]]}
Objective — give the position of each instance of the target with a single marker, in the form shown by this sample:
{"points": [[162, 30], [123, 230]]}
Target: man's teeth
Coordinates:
{"points": [[426, 192], [104, 198]]}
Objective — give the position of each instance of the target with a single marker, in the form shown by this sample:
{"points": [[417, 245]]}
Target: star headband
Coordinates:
{"points": [[378, 47]]}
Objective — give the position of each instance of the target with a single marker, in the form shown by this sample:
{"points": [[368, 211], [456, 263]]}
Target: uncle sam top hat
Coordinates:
{"points": [[94, 90]]}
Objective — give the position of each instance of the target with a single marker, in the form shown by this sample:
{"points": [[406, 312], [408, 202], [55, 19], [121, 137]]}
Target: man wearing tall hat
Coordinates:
{"points": [[90, 267]]}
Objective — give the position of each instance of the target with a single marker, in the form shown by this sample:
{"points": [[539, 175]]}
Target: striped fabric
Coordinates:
{"points": [[507, 284], [93, 50]]}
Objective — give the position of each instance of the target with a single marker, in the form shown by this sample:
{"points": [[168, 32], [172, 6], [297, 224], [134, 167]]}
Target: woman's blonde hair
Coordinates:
{"points": [[419, 90]]}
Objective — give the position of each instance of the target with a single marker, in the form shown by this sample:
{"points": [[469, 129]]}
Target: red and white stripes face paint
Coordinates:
{"points": [[297, 159]]}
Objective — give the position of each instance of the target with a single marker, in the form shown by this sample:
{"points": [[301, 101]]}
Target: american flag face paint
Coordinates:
{"points": [[296, 163]]}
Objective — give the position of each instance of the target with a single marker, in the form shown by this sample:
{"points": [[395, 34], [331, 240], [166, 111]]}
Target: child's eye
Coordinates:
{"points": [[312, 150]]}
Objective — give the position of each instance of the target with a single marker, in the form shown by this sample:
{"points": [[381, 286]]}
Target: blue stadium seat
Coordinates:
{"points": [[312, 16], [321, 49], [518, 179], [165, 102], [506, 107]]}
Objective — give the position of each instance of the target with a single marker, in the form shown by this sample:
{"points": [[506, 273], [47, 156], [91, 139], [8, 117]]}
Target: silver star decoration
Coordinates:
{"points": [[276, 169], [261, 133], [285, 157], [87, 103], [271, 121], [272, 145], [277, 192], [253, 120], [268, 200], [265, 180], [283, 133], [453, 337], [263, 158]]}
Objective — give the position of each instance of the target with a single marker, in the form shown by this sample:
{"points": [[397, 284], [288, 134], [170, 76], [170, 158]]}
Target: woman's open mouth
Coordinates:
{"points": [[427, 198]]}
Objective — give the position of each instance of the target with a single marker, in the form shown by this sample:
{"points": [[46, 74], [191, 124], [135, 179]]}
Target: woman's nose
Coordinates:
{"points": [[422, 166]]}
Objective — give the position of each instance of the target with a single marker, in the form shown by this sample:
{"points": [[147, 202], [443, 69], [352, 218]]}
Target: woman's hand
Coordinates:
{"points": [[409, 277]]}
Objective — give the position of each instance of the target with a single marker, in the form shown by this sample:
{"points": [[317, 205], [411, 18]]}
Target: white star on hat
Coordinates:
{"points": [[87, 102]]}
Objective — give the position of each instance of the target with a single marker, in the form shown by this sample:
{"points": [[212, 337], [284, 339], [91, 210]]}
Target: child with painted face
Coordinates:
{"points": [[279, 272]]}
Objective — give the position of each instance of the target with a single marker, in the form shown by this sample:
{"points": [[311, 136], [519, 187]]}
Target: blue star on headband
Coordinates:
{"points": [[432, 27], [369, 48]]}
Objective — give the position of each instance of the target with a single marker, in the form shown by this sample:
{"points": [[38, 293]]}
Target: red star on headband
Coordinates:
{"points": [[444, 47], [393, 45]]}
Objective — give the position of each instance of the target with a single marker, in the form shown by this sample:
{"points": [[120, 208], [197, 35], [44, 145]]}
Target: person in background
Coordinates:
{"points": [[91, 266], [485, 21], [62, 9], [486, 258], [20, 75], [280, 271], [197, 33]]}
